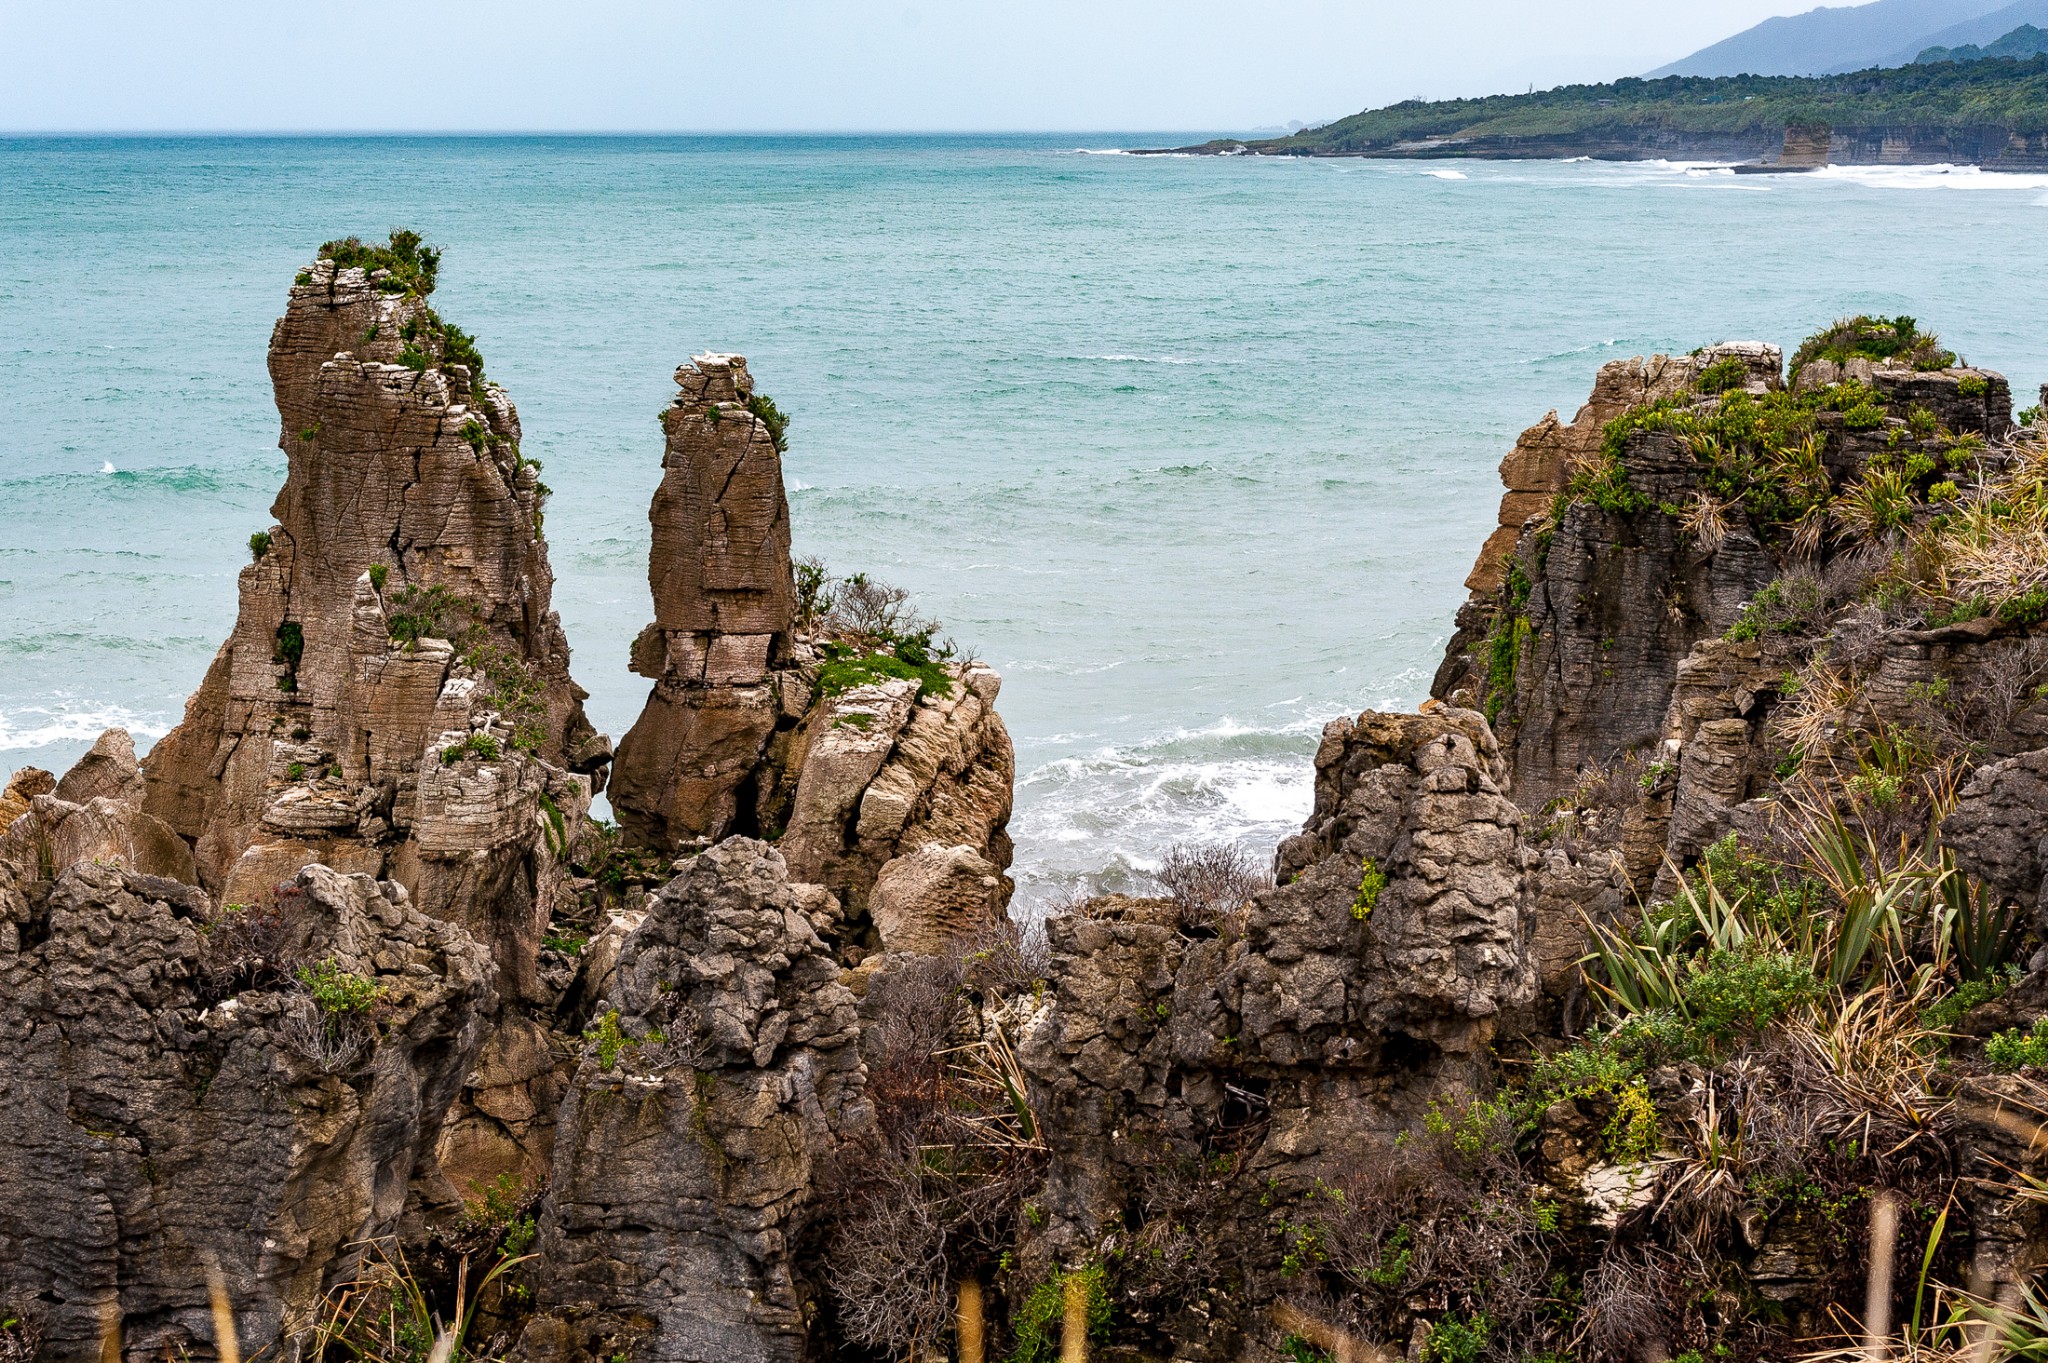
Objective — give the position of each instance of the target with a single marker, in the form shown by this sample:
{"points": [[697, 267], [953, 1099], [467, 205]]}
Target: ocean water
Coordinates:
{"points": [[1196, 451]]}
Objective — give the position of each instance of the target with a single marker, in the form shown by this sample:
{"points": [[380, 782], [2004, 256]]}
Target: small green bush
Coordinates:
{"points": [[2017, 1050], [1372, 880], [1874, 338], [1970, 994], [337, 992], [1722, 375], [378, 573], [2025, 609], [1972, 386], [259, 545], [773, 417], [1456, 1340], [295, 771], [291, 644], [476, 745], [412, 263], [1036, 1325]]}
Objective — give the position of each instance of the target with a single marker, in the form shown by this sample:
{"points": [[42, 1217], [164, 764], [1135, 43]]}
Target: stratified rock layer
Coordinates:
{"points": [[684, 1159], [154, 1128], [402, 595], [893, 794]]}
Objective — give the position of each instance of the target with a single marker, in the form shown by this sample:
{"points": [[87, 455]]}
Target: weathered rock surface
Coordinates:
{"points": [[738, 737], [159, 1120], [1399, 947], [1999, 829], [684, 1158], [403, 594]]}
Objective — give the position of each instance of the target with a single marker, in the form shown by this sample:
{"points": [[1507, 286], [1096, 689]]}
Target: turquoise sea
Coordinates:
{"points": [[1197, 451]]}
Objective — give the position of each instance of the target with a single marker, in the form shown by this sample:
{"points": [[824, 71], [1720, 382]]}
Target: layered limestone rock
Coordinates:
{"points": [[176, 1098], [1399, 948], [893, 792], [1599, 637], [689, 770], [399, 605], [725, 1065]]}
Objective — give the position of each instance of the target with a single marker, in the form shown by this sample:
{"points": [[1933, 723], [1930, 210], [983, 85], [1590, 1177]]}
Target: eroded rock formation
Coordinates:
{"points": [[401, 598], [893, 791], [177, 1098], [726, 1065]]}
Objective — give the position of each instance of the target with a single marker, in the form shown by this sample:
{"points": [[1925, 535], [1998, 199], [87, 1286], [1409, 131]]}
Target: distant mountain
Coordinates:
{"points": [[1847, 38], [2023, 42], [1981, 31]]}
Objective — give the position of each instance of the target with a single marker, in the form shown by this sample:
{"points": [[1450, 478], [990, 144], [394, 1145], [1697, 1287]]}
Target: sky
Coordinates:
{"points": [[805, 65]]}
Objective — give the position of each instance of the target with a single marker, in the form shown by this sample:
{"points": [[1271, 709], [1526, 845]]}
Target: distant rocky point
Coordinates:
{"points": [[1991, 114]]}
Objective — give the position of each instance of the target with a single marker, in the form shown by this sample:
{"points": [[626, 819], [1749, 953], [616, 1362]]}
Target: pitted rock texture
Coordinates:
{"points": [[683, 1167], [317, 716], [737, 737], [157, 1118], [1999, 830], [1317, 1024], [1603, 610]]}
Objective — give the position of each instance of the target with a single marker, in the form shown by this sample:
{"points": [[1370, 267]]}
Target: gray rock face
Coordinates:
{"points": [[683, 1165], [1399, 945], [154, 1125], [1999, 828]]}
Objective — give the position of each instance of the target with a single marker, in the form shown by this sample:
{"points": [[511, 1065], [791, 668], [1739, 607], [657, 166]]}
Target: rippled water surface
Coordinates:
{"points": [[1196, 451]]}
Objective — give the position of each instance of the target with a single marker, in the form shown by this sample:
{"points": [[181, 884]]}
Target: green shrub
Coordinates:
{"points": [[337, 992], [773, 417], [2025, 609], [2016, 1050], [845, 669], [1864, 416], [1456, 1340], [1372, 880], [1874, 338], [1036, 1325], [295, 771], [412, 263], [1968, 995], [1972, 386], [259, 545], [291, 644], [416, 613], [1783, 606], [476, 745], [378, 573], [2028, 416], [1722, 375]]}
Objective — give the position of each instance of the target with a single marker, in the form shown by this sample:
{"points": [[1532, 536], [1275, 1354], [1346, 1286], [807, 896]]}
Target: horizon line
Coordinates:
{"points": [[25, 133]]}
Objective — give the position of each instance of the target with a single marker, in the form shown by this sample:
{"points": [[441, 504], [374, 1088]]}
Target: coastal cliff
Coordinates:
{"points": [[1663, 989]]}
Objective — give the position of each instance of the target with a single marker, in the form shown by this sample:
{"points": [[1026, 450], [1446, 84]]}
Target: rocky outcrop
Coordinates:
{"points": [[878, 786], [689, 770], [402, 597], [1314, 1027], [1999, 829], [725, 1065], [178, 1098], [1599, 637]]}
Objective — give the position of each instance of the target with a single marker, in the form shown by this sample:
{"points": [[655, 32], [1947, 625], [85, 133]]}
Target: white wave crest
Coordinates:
{"points": [[39, 726], [1931, 177], [1134, 359], [1446, 174]]}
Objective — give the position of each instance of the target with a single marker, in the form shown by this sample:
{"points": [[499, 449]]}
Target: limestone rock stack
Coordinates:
{"points": [[177, 1100], [395, 698], [689, 770], [725, 1067]]}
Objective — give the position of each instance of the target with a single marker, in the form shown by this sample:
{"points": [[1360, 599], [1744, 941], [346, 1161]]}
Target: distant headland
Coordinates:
{"points": [[1988, 113]]}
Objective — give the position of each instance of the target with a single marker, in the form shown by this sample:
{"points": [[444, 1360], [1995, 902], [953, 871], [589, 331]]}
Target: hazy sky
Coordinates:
{"points": [[805, 64]]}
